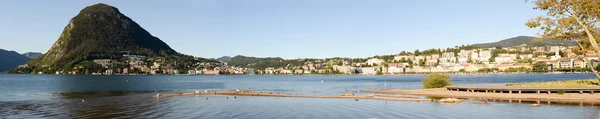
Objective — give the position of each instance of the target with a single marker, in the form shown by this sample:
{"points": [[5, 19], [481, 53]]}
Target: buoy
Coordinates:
{"points": [[126, 80], [197, 92], [234, 97], [226, 97], [206, 98], [535, 105], [321, 81], [82, 100]]}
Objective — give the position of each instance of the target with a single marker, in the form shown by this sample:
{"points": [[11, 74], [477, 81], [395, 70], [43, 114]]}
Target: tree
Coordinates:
{"points": [[416, 53], [568, 20], [436, 80], [540, 67], [378, 73]]}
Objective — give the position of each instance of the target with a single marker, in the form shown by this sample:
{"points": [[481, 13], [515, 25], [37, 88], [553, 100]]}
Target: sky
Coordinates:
{"points": [[283, 28]]}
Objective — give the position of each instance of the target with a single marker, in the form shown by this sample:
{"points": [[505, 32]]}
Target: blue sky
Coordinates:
{"points": [[283, 28]]}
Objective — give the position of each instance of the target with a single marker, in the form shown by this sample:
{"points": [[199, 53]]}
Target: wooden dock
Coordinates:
{"points": [[502, 88]]}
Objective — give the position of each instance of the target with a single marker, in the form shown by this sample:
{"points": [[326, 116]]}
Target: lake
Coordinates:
{"points": [[79, 96]]}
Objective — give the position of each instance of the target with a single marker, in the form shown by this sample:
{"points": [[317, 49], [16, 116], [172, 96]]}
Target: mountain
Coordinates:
{"points": [[32, 55], [11, 59], [100, 31], [526, 40], [222, 59], [243, 61]]}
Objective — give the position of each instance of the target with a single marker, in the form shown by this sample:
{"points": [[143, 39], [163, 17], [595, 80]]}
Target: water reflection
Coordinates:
{"points": [[60, 96], [119, 107], [132, 83]]}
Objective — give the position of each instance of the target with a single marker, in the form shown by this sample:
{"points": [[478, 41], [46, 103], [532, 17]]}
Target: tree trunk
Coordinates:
{"points": [[588, 62], [591, 39]]}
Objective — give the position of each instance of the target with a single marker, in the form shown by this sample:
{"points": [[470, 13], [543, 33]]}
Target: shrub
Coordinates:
{"points": [[436, 80], [560, 92]]}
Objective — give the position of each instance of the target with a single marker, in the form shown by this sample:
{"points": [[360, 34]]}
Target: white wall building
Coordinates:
{"points": [[503, 59], [376, 61], [485, 55], [369, 70], [395, 70]]}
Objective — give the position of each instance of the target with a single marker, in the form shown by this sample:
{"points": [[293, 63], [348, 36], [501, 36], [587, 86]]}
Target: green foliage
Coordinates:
{"points": [[518, 69], [436, 80], [560, 92], [487, 70], [574, 70], [540, 67], [279, 63], [385, 57], [431, 51], [404, 53], [243, 61], [378, 73], [515, 41], [591, 83]]}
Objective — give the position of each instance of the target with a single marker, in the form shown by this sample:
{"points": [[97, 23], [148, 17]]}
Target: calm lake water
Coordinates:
{"points": [[66, 96]]}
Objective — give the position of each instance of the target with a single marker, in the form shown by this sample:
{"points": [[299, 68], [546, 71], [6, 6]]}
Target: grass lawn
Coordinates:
{"points": [[590, 83]]}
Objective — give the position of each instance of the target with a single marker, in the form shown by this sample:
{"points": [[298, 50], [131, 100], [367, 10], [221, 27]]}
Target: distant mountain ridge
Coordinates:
{"points": [[222, 59], [11, 59], [244, 61], [515, 41], [32, 55]]}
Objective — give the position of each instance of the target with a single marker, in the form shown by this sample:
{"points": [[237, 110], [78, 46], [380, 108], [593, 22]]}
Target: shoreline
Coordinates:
{"points": [[549, 98], [405, 95], [407, 74], [265, 94]]}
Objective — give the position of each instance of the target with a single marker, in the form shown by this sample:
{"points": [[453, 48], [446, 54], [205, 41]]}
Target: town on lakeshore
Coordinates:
{"points": [[85, 48], [462, 59]]}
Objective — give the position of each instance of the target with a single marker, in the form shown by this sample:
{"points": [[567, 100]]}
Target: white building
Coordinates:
{"points": [[465, 53], [344, 69], [463, 60], [474, 56], [485, 55], [433, 57], [512, 56], [447, 57], [503, 59], [395, 70], [525, 56], [285, 71], [370, 70], [376, 61], [399, 58]]}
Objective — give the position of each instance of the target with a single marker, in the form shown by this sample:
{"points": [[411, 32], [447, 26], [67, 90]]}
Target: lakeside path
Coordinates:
{"points": [[585, 98], [266, 94]]}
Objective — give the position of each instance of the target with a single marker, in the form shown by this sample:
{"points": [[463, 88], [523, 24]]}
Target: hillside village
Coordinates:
{"points": [[520, 59], [477, 60], [137, 52]]}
